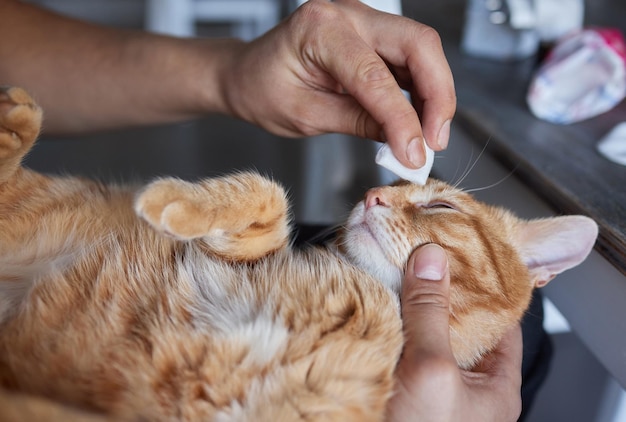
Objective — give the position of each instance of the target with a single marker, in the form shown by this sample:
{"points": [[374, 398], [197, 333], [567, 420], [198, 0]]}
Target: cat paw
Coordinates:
{"points": [[241, 217], [20, 121], [168, 205]]}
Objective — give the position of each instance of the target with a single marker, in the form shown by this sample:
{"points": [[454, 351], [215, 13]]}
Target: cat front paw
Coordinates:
{"points": [[240, 217], [168, 206], [20, 122]]}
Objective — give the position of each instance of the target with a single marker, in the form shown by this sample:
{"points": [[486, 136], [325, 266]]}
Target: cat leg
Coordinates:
{"points": [[241, 217], [20, 121]]}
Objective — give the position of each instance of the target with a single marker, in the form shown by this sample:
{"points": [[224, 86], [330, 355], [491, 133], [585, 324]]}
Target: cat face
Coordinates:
{"points": [[495, 258], [392, 221]]}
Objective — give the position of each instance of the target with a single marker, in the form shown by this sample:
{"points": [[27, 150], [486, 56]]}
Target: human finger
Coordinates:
{"points": [[366, 77], [496, 382], [415, 50], [433, 91], [510, 351], [328, 112], [425, 304], [505, 361], [363, 74]]}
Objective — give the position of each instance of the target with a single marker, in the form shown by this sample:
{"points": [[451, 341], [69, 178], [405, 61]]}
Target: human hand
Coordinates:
{"points": [[430, 386], [339, 67]]}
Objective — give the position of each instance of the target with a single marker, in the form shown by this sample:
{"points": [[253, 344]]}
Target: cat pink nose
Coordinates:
{"points": [[375, 197]]}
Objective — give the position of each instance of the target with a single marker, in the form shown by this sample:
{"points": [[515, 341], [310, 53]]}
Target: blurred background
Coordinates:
{"points": [[326, 175]]}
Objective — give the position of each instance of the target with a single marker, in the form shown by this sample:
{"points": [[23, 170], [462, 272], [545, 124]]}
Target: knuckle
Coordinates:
{"points": [[429, 36], [449, 95], [372, 71], [303, 124], [312, 27], [364, 124], [446, 95], [427, 299], [315, 12], [452, 100]]}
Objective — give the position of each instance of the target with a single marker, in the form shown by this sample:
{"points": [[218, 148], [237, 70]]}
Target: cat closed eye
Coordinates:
{"points": [[438, 205]]}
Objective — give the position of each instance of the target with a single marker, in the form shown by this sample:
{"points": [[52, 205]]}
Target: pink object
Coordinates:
{"points": [[583, 76], [614, 39]]}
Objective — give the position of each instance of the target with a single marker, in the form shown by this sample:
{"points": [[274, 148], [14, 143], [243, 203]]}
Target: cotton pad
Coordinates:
{"points": [[386, 159], [613, 145]]}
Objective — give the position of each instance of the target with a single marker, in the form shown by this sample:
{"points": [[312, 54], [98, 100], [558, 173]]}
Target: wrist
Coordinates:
{"points": [[215, 81]]}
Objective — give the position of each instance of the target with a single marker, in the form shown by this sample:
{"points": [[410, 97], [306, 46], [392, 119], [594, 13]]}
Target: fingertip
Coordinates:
{"points": [[416, 153], [427, 273], [436, 129], [436, 102], [425, 303], [411, 153], [429, 262]]}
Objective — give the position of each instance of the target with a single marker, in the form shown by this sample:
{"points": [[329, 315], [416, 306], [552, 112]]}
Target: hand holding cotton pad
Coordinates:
{"points": [[386, 159]]}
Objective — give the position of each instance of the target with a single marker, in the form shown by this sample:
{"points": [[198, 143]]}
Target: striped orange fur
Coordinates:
{"points": [[185, 301]]}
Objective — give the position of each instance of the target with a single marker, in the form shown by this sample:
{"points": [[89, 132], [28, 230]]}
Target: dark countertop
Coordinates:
{"points": [[559, 162]]}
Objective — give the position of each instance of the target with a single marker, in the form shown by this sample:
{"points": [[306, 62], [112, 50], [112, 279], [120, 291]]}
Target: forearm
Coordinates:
{"points": [[88, 77]]}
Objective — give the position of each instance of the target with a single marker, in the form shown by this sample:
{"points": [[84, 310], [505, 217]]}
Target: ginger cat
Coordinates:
{"points": [[185, 301]]}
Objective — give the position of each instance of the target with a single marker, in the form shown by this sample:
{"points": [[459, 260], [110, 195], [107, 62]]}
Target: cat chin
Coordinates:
{"points": [[387, 274], [362, 249], [372, 260], [390, 277]]}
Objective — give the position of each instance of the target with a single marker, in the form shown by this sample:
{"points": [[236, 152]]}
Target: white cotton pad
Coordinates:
{"points": [[613, 145], [385, 158]]}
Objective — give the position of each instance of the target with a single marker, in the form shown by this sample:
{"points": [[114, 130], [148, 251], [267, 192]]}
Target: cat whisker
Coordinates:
{"points": [[470, 167], [493, 184], [322, 236], [464, 173], [439, 157]]}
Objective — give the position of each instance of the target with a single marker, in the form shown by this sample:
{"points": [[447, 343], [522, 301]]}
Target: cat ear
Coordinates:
{"points": [[552, 245]]}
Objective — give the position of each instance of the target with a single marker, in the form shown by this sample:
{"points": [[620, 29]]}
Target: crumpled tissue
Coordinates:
{"points": [[583, 76]]}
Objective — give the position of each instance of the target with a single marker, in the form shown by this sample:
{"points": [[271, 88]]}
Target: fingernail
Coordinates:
{"points": [[430, 262], [416, 153], [444, 135]]}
